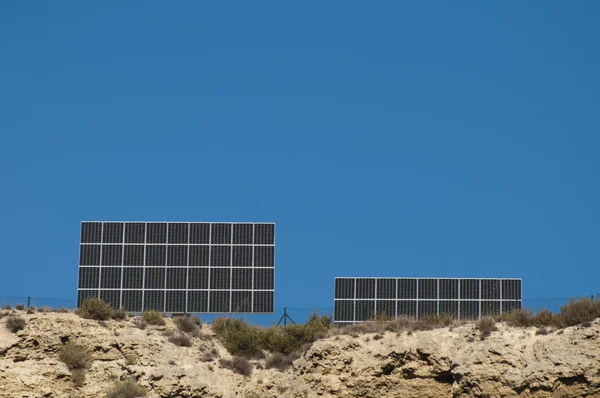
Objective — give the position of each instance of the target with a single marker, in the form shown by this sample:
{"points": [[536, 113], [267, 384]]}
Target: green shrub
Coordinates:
{"points": [[75, 356], [239, 365], [14, 323], [95, 308], [187, 324], [126, 389], [486, 326], [180, 340], [518, 318], [576, 312], [153, 317]]}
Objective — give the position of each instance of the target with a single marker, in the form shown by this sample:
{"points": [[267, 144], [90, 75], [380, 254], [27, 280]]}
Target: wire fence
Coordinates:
{"points": [[281, 315]]}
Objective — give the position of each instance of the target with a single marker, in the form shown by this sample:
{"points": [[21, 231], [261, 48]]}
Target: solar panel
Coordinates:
{"points": [[360, 299], [179, 267]]}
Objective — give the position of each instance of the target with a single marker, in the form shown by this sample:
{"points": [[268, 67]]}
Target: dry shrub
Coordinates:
{"points": [[486, 326], [209, 356], [238, 365], [44, 309], [517, 318], [541, 331], [75, 356], [119, 315], [187, 324], [153, 317], [78, 377], [95, 308], [20, 307], [14, 323], [31, 310], [131, 359], [281, 361], [577, 312], [377, 337], [543, 318], [126, 389], [181, 340], [8, 307]]}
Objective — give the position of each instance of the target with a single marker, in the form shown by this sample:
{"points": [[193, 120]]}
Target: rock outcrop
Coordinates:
{"points": [[436, 363]]}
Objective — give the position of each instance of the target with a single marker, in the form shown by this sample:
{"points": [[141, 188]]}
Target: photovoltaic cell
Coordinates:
{"points": [[199, 233], [175, 301], [448, 289], [241, 301], [112, 232], [490, 289], [243, 234], [110, 278], [219, 301], [469, 289], [156, 233], [197, 301], [112, 254], [386, 288], [112, 297], [180, 266], [365, 288], [427, 307], [344, 288], [199, 256], [428, 288], [386, 307], [176, 279], [91, 232], [154, 300], [220, 256], [264, 256], [178, 232], [135, 232]]}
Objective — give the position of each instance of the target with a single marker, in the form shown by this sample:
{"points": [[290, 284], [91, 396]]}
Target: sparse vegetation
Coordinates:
{"points": [[180, 340], [127, 389], [14, 323], [20, 307], [153, 317], [78, 377], [239, 365], [543, 318], [95, 308], [188, 324], [75, 356], [31, 310], [486, 326], [119, 315], [541, 331], [8, 307], [577, 312], [131, 359], [516, 318], [281, 361]]}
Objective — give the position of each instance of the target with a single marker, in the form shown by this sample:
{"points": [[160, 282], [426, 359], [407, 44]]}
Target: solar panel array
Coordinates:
{"points": [[360, 299], [179, 267]]}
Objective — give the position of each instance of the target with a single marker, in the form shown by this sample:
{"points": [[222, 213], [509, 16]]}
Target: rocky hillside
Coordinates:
{"points": [[437, 363]]}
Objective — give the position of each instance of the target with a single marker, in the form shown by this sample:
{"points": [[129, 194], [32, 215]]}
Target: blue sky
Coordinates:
{"points": [[385, 139]]}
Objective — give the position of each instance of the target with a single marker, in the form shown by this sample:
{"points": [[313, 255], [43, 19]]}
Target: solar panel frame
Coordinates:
{"points": [[464, 298], [178, 266]]}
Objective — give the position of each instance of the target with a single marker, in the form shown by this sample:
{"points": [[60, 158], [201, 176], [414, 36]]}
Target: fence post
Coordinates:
{"points": [[28, 301]]}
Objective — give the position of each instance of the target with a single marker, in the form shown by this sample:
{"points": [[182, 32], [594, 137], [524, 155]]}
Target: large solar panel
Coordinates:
{"points": [[360, 299], [178, 267]]}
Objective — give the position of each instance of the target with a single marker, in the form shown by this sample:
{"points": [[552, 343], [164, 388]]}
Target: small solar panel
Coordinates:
{"points": [[360, 299], [187, 267]]}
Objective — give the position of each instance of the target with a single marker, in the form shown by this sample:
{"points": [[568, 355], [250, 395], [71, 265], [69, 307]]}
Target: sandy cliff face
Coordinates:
{"points": [[437, 363]]}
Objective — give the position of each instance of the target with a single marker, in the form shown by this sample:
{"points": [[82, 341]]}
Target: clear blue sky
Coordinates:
{"points": [[384, 139]]}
